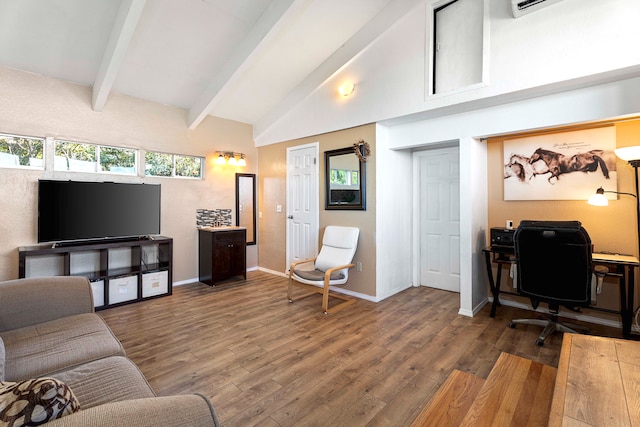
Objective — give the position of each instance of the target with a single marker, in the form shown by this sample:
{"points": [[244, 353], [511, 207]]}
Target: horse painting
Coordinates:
{"points": [[563, 165], [520, 167], [558, 163], [589, 162]]}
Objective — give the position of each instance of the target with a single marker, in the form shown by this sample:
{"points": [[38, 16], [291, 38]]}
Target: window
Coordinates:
{"points": [[188, 166], [21, 151], [117, 160], [158, 164], [173, 165], [457, 45], [355, 178], [344, 177], [81, 157]]}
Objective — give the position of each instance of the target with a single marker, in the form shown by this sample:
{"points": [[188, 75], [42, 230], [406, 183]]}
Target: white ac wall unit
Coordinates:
{"points": [[523, 7]]}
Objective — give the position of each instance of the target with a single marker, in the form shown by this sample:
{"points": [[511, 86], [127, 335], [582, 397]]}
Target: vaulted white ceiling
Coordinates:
{"points": [[245, 60]]}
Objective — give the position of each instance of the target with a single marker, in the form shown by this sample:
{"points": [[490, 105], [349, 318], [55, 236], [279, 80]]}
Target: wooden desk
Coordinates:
{"points": [[621, 266], [597, 383]]}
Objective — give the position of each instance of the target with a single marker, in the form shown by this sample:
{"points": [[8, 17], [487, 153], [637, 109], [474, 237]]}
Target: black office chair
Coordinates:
{"points": [[553, 260]]}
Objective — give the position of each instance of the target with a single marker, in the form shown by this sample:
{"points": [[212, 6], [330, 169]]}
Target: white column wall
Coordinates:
{"points": [[394, 226]]}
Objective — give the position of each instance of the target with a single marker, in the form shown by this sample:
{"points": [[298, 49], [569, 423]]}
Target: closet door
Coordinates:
{"points": [[439, 218]]}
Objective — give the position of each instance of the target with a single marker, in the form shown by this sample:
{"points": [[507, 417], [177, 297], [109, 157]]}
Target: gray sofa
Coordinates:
{"points": [[48, 328]]}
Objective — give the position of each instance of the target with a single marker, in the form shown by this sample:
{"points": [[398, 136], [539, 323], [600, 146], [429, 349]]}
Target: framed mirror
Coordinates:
{"points": [[345, 180], [246, 204]]}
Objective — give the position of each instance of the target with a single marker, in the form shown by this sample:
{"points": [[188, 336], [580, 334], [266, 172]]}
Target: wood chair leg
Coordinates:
{"points": [[325, 296], [324, 290], [289, 297]]}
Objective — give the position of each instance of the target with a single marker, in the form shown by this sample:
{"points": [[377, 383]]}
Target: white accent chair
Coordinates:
{"points": [[330, 267]]}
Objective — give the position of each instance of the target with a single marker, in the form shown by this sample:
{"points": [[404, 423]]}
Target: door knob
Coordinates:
{"points": [[290, 216]]}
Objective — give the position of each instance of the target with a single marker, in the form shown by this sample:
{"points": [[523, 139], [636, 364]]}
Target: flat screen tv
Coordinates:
{"points": [[75, 211]]}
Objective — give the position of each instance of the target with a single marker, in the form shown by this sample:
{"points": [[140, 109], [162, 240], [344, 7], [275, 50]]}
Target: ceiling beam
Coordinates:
{"points": [[276, 16], [377, 26], [121, 34]]}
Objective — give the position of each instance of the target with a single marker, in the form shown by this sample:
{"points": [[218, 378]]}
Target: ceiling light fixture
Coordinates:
{"points": [[347, 89]]}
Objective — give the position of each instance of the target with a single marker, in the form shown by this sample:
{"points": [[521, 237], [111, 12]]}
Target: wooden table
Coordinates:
{"points": [[598, 383]]}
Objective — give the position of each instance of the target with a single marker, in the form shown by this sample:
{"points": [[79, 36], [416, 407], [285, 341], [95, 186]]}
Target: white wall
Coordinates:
{"points": [[394, 224], [617, 99], [570, 44]]}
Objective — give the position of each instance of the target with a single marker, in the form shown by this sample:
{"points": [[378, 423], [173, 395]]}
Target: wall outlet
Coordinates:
{"points": [[359, 266]]}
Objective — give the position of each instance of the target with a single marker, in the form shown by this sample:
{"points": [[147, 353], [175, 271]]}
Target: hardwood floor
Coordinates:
{"points": [[266, 362]]}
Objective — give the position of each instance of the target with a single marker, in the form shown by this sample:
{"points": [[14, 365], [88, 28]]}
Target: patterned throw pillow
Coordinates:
{"points": [[34, 402]]}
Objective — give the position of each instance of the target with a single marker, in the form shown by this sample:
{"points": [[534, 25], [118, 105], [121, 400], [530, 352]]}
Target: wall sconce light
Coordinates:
{"points": [[231, 158], [346, 89]]}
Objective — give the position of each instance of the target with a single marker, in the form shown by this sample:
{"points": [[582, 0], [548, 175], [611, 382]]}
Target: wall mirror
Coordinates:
{"points": [[246, 204], [345, 180]]}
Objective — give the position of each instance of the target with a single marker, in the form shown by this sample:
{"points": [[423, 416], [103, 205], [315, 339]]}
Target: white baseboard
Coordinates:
{"points": [[185, 282], [274, 272]]}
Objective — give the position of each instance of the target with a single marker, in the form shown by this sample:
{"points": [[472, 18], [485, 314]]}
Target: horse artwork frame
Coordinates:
{"points": [[567, 165]]}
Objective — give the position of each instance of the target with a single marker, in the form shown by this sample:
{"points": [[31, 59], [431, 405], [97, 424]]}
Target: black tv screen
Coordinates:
{"points": [[74, 210]]}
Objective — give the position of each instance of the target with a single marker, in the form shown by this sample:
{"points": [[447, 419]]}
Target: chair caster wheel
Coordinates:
{"points": [[512, 325], [290, 301], [539, 342]]}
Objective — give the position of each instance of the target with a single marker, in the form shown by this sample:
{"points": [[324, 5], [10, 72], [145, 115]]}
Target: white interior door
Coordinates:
{"points": [[438, 182], [302, 203]]}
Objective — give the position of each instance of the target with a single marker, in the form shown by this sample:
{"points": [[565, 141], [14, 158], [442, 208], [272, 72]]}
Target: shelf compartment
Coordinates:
{"points": [[123, 289], [97, 287], [155, 283]]}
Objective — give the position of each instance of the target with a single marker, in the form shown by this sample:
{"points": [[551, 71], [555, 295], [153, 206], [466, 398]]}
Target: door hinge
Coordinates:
{"points": [[314, 160]]}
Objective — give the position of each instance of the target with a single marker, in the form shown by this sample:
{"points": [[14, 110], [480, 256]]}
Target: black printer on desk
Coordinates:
{"points": [[502, 239]]}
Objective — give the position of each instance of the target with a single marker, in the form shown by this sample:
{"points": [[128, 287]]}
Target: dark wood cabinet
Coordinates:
{"points": [[120, 271], [222, 254]]}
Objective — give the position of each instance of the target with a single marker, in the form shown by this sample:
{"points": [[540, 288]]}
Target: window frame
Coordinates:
{"points": [[27, 167], [50, 144], [98, 167], [202, 161]]}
